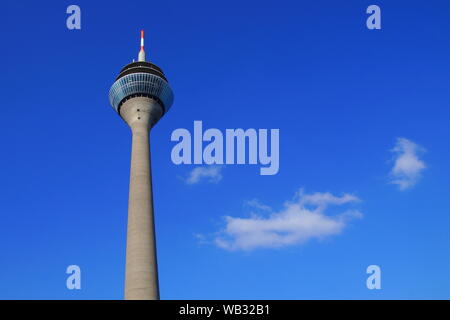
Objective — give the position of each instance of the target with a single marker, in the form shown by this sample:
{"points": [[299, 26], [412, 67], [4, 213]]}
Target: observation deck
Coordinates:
{"points": [[141, 79]]}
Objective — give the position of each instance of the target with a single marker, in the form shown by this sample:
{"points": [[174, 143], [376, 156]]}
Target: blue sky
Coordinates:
{"points": [[341, 95]]}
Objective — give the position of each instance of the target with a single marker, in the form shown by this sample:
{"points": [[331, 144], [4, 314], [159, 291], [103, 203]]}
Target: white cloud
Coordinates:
{"points": [[300, 220], [407, 167], [323, 199], [210, 174], [255, 203]]}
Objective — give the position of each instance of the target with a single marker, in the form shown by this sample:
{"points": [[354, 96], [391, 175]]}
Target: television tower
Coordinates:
{"points": [[141, 95]]}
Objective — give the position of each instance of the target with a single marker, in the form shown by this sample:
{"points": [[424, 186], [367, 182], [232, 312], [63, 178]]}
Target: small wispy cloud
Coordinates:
{"points": [[300, 220], [210, 174], [407, 166], [256, 204]]}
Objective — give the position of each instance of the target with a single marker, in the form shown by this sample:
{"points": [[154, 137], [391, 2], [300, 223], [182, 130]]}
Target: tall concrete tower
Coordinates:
{"points": [[141, 95]]}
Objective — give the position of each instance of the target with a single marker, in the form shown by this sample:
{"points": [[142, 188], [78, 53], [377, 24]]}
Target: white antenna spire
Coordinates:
{"points": [[141, 56]]}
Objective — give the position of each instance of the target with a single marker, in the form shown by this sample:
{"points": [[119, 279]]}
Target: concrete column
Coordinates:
{"points": [[141, 276]]}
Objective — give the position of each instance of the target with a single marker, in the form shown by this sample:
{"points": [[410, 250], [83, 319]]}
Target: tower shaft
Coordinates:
{"points": [[141, 276]]}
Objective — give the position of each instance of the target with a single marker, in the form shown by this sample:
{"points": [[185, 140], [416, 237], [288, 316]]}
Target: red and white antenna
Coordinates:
{"points": [[141, 56]]}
